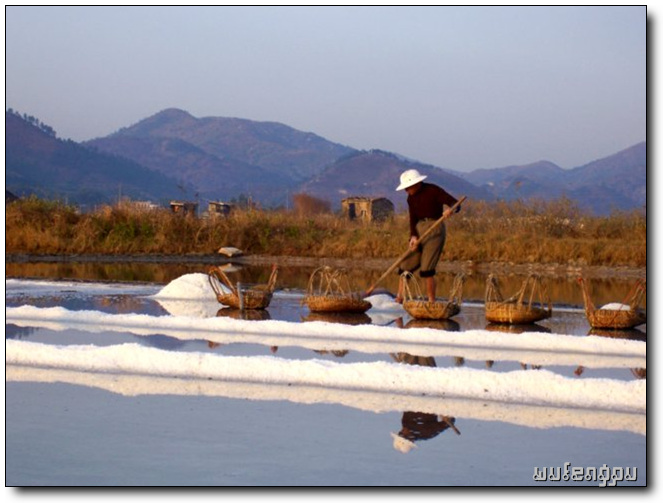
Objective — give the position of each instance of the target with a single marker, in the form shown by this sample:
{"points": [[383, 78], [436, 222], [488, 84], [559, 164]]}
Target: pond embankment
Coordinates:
{"points": [[502, 268]]}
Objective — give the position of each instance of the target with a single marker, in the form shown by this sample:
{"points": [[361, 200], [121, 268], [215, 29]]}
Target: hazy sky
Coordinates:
{"points": [[458, 87]]}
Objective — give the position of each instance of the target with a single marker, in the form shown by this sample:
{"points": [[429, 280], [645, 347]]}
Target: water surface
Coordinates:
{"points": [[65, 431]]}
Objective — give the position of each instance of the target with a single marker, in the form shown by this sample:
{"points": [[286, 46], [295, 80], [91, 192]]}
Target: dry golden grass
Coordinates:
{"points": [[516, 232]]}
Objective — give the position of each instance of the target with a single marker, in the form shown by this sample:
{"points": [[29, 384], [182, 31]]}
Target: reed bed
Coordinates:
{"points": [[515, 232]]}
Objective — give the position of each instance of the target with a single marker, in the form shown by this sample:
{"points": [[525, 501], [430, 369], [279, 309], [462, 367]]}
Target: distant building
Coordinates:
{"points": [[367, 209], [140, 205], [218, 209], [184, 208]]}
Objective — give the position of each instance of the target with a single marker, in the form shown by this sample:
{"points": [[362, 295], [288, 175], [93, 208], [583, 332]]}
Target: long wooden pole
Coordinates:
{"points": [[405, 255]]}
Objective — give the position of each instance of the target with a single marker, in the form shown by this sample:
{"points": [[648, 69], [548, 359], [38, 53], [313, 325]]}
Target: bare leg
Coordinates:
{"points": [[399, 294], [430, 288]]}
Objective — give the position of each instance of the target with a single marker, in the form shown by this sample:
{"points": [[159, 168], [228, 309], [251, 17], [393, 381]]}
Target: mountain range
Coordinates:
{"points": [[174, 155]]}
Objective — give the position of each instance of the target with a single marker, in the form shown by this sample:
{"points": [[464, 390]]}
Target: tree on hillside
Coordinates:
{"points": [[34, 121], [304, 204]]}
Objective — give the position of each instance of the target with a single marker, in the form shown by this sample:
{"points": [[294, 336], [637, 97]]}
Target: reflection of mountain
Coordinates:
{"points": [[540, 349], [125, 304], [161, 342], [532, 416], [15, 332]]}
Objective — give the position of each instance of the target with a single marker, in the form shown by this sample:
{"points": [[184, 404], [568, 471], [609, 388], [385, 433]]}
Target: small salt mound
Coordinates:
{"points": [[383, 309], [616, 306], [188, 286], [189, 295], [383, 302]]}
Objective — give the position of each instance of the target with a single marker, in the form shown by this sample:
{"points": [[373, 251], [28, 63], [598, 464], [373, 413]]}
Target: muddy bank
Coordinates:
{"points": [[468, 267]]}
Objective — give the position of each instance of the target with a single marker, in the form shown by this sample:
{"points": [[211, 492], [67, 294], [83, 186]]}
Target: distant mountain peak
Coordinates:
{"points": [[173, 113], [158, 122]]}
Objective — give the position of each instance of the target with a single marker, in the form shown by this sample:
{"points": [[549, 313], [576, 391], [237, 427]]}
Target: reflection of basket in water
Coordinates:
{"points": [[329, 291], [241, 296], [527, 306], [424, 361], [419, 308], [624, 315], [346, 318], [632, 334], [517, 329], [246, 314], [446, 325]]}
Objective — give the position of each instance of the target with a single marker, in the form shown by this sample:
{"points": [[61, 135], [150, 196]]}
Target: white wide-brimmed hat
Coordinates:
{"points": [[410, 178], [402, 444]]}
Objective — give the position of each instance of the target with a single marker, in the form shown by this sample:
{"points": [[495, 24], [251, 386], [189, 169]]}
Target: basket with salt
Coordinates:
{"points": [[329, 290], [615, 315], [241, 296], [419, 308], [529, 305]]}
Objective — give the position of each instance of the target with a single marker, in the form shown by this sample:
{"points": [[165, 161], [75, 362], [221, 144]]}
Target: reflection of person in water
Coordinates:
{"points": [[340, 353], [419, 425]]}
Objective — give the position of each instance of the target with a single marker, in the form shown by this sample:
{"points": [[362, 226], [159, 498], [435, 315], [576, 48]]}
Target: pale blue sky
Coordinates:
{"points": [[457, 87]]}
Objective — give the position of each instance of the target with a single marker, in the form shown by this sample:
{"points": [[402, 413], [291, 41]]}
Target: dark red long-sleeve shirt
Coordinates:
{"points": [[427, 202]]}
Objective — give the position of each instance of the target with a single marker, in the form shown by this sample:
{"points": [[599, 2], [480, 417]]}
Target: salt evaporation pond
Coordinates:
{"points": [[139, 385]]}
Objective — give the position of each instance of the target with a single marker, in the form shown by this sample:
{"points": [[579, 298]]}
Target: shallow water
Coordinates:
{"points": [[64, 429], [563, 289]]}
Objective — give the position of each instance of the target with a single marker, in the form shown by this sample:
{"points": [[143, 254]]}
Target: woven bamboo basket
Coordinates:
{"points": [[616, 319], [419, 308], [329, 291], [529, 305], [241, 296]]}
